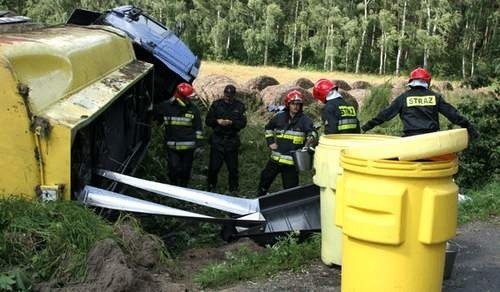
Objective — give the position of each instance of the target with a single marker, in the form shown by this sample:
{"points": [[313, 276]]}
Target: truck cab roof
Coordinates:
{"points": [[150, 35]]}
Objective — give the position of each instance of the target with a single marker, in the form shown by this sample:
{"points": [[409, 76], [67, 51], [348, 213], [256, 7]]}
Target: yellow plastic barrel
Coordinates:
{"points": [[396, 217], [327, 168]]}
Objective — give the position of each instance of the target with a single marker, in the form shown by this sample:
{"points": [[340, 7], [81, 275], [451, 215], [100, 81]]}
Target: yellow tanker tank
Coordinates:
{"points": [[65, 92]]}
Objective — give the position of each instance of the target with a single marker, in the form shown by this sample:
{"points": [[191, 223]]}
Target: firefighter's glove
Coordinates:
{"points": [[473, 134]]}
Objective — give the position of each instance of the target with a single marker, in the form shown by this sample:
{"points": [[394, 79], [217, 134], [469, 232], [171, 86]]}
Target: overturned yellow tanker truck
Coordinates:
{"points": [[76, 97]]}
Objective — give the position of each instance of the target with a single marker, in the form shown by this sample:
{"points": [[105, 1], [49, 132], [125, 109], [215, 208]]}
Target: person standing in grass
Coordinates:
{"points": [[419, 109], [183, 132], [227, 118], [339, 117], [287, 131]]}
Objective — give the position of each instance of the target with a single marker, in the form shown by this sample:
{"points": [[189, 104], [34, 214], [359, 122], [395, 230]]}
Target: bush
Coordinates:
{"points": [[480, 162], [379, 99]]}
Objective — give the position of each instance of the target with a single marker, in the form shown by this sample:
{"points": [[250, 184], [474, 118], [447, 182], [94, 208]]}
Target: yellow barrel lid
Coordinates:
{"points": [[412, 148]]}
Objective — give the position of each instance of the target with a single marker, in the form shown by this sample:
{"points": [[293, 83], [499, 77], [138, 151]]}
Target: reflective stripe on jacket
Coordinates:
{"points": [[182, 123], [340, 117], [289, 134]]}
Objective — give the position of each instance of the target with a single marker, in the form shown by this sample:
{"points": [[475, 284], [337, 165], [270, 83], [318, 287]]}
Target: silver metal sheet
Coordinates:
{"points": [[235, 205], [96, 197]]}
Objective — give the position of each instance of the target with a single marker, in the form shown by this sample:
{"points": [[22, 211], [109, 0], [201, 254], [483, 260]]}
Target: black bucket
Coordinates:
{"points": [[451, 254]]}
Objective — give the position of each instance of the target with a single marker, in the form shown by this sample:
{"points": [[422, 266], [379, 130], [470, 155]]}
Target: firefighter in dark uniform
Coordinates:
{"points": [[339, 117], [419, 109], [226, 117], [183, 132], [288, 130]]}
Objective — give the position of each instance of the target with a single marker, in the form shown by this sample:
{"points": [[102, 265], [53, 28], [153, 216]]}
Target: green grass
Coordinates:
{"points": [[287, 254], [45, 241], [483, 203]]}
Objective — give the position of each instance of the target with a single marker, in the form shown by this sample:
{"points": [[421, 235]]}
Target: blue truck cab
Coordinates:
{"points": [[174, 62]]}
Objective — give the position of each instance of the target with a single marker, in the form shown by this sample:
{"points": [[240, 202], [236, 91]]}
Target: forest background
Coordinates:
{"points": [[453, 39]]}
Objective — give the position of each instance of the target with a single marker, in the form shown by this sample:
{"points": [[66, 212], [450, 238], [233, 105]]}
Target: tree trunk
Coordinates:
{"points": [[426, 47], [381, 56], [363, 35], [400, 41], [294, 38], [472, 58]]}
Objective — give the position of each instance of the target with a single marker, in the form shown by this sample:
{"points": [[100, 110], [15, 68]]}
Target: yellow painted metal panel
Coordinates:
{"points": [[55, 63], [18, 166], [68, 77]]}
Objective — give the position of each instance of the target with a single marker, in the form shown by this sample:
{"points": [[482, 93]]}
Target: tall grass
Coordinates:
{"points": [[48, 240]]}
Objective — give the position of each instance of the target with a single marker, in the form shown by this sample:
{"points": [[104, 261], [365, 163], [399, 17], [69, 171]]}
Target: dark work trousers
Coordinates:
{"points": [[217, 157], [179, 166], [289, 176]]}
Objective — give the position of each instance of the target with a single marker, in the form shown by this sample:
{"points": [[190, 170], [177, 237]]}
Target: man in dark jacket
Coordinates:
{"points": [[288, 130], [226, 117], [339, 117], [419, 109], [183, 132]]}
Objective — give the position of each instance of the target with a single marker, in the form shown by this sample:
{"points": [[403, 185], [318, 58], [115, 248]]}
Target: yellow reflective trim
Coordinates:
{"points": [[269, 135], [347, 126], [178, 123], [347, 111], [427, 100]]}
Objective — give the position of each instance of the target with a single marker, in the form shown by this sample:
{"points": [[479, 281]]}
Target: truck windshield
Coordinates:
{"points": [[155, 27]]}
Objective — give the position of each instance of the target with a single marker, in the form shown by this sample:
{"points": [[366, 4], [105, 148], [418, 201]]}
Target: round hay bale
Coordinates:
{"points": [[342, 84], [211, 87], [360, 95], [441, 85], [276, 94], [260, 82], [303, 82], [360, 84], [349, 99]]}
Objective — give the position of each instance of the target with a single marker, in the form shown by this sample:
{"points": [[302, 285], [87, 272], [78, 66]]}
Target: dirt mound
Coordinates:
{"points": [[342, 84], [276, 94], [211, 87], [134, 266], [360, 95], [360, 84], [303, 82], [260, 82], [441, 86]]}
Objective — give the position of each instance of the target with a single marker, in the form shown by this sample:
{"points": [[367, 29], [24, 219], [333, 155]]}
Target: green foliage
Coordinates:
{"points": [[481, 204], [379, 99], [454, 37], [47, 240], [480, 162], [287, 254], [7, 282]]}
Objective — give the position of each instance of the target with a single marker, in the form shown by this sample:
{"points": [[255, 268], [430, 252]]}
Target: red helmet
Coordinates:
{"points": [[294, 96], [420, 73], [322, 88], [184, 90]]}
